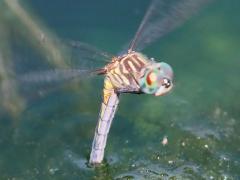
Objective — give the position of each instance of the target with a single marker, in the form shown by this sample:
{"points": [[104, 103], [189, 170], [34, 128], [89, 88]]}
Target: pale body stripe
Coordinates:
{"points": [[132, 66], [124, 69]]}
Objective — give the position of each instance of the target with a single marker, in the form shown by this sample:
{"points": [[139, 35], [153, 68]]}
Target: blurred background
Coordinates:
{"points": [[46, 129]]}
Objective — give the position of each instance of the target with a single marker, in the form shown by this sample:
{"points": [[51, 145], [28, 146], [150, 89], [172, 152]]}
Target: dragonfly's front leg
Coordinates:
{"points": [[108, 109]]}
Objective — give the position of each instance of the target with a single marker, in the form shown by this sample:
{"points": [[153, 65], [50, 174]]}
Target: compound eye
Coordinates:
{"points": [[166, 83], [151, 78]]}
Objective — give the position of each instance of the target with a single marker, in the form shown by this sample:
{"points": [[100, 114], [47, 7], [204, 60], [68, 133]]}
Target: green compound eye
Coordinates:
{"points": [[157, 79]]}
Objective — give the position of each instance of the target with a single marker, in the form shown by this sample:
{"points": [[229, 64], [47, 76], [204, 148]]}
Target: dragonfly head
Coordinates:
{"points": [[156, 79]]}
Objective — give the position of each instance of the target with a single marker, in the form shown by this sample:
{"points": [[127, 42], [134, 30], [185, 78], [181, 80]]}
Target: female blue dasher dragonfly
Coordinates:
{"points": [[131, 71]]}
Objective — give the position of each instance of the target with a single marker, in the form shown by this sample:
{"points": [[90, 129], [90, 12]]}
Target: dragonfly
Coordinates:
{"points": [[131, 71]]}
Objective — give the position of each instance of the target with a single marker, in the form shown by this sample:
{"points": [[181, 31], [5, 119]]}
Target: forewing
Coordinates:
{"points": [[85, 56], [35, 75], [162, 17]]}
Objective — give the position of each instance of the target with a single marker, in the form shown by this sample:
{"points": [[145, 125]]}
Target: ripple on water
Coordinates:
{"points": [[79, 162], [159, 171]]}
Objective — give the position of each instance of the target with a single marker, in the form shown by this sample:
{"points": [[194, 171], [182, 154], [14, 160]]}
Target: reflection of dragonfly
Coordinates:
{"points": [[131, 72]]}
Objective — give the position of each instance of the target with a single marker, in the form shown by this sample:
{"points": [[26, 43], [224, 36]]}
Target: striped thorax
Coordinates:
{"points": [[125, 71]]}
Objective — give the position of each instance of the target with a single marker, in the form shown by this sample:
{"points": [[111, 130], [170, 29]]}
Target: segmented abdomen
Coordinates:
{"points": [[106, 115]]}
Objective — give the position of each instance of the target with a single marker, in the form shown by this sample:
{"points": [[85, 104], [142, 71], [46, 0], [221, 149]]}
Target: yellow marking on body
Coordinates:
{"points": [[116, 84], [108, 85], [106, 96], [117, 78], [117, 71], [107, 91], [103, 109], [125, 79]]}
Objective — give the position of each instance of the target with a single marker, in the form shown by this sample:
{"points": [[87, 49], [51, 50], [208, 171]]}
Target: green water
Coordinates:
{"points": [[51, 138]]}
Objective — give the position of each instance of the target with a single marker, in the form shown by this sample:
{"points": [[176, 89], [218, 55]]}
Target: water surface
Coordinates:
{"points": [[51, 138]]}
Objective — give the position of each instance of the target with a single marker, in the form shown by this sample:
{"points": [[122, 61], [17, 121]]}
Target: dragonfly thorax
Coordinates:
{"points": [[125, 71], [135, 73]]}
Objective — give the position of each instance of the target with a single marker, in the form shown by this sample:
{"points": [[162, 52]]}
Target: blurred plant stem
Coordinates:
{"points": [[14, 17], [10, 99], [37, 34]]}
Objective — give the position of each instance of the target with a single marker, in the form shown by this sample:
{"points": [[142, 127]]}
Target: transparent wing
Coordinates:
{"points": [[85, 56], [162, 17], [73, 55], [35, 84], [34, 69], [34, 74], [53, 75]]}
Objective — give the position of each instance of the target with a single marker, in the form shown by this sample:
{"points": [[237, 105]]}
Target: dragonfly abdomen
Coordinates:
{"points": [[107, 112]]}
